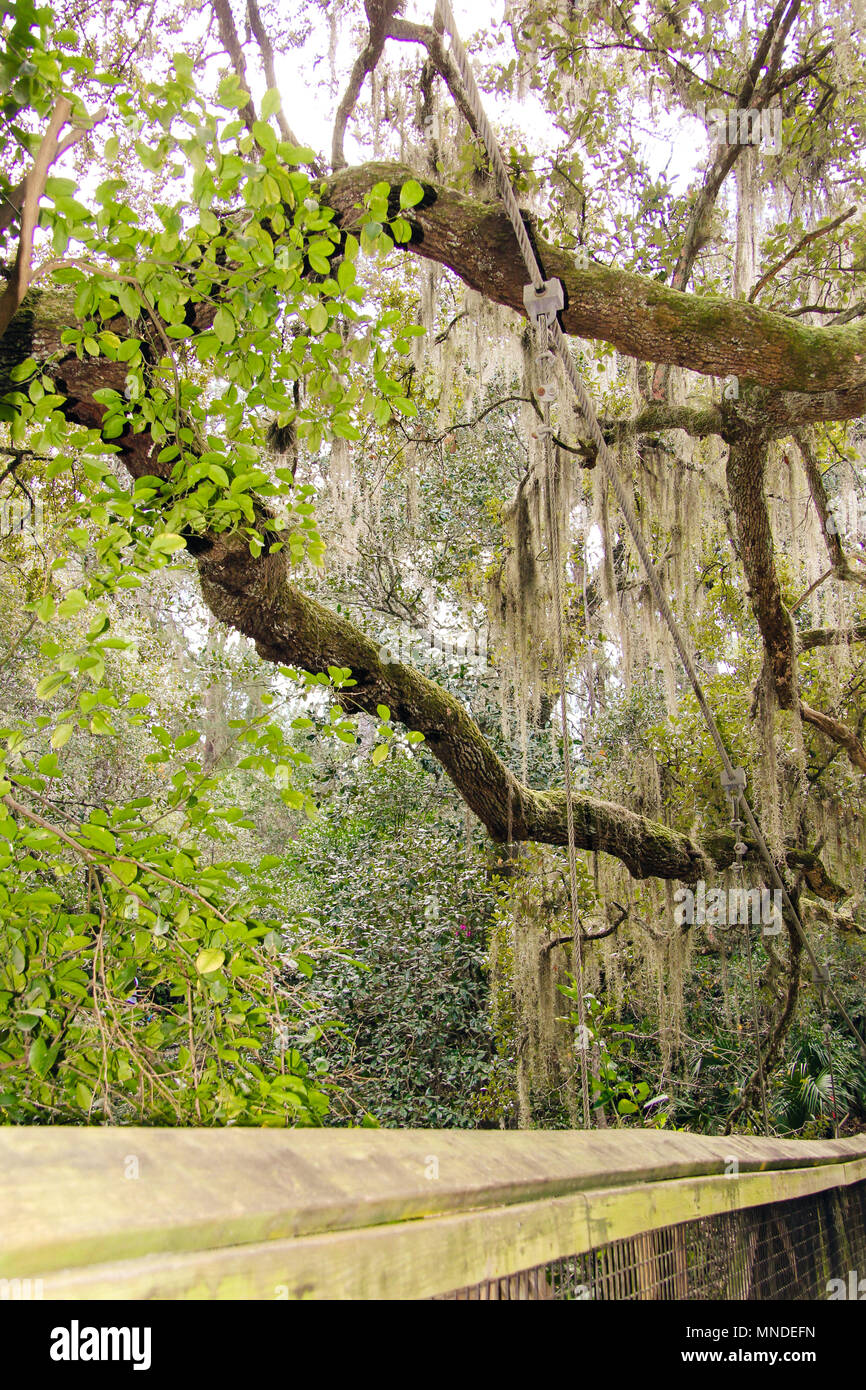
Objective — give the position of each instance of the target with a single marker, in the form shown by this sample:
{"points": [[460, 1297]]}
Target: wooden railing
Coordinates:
{"points": [[377, 1214]]}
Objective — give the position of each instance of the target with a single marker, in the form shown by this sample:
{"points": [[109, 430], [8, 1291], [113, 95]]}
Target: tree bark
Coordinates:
{"points": [[745, 474], [642, 317]]}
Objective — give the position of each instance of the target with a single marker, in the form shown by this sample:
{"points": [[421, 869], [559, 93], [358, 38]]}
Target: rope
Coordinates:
{"points": [[735, 797], [757, 1028], [443, 19], [829, 1046], [556, 562]]}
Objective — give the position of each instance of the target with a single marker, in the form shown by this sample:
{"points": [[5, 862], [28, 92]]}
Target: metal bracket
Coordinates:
{"points": [[549, 300], [736, 782]]}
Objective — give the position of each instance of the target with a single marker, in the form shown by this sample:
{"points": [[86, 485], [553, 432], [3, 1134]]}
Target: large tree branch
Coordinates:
{"points": [[258, 598], [406, 32], [831, 636], [10, 208], [815, 373], [769, 47], [778, 411], [838, 732], [642, 317]]}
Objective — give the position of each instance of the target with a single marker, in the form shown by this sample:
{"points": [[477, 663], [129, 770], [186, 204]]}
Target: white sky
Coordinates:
{"points": [[679, 146]]}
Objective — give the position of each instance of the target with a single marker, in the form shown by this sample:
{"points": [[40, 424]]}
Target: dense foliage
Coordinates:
{"points": [[281, 839]]}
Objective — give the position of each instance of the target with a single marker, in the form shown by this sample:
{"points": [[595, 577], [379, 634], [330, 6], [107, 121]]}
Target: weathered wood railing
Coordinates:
{"points": [[242, 1213]]}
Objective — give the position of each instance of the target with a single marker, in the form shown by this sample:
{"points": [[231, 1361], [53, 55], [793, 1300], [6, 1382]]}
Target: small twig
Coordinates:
{"points": [[795, 251], [811, 589]]}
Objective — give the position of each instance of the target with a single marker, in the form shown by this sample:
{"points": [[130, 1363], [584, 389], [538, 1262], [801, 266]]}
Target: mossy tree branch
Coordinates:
{"points": [[708, 334], [258, 599]]}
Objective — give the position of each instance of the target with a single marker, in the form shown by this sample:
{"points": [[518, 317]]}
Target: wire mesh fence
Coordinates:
{"points": [[783, 1250]]}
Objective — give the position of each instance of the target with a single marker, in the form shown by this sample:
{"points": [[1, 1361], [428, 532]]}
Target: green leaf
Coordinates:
{"points": [[72, 604], [411, 193], [98, 837], [344, 429], [208, 962], [23, 370], [318, 319], [224, 326], [167, 542], [265, 136], [60, 188], [271, 102], [49, 684], [383, 712], [125, 872], [380, 753], [297, 154], [38, 1057]]}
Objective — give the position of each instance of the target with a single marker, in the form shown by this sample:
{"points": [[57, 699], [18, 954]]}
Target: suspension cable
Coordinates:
{"points": [[543, 337], [443, 20]]}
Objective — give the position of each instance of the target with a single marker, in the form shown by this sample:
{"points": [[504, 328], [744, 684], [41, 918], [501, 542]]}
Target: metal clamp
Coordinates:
{"points": [[549, 300], [735, 783]]}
